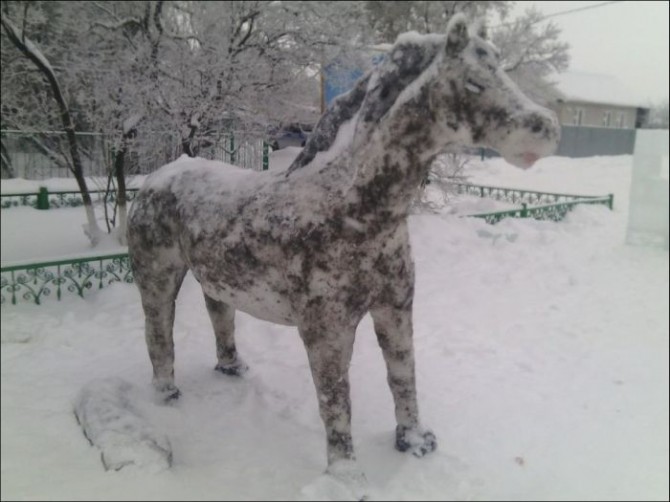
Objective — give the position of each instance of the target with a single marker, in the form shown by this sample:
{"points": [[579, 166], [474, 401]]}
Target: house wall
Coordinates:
{"points": [[595, 115], [581, 141]]}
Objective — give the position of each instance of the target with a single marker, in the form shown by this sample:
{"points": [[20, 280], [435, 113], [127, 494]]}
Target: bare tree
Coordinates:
{"points": [[248, 63], [19, 38], [206, 66], [530, 48], [531, 51], [7, 169], [138, 72], [389, 19]]}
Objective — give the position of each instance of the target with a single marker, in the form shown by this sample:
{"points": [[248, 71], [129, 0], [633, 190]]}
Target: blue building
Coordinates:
{"points": [[339, 77]]}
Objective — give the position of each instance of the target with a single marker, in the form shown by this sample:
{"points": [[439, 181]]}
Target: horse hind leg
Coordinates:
{"points": [[159, 284], [222, 316]]}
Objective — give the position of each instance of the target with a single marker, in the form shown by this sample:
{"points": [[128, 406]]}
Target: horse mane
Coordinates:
{"points": [[373, 94], [325, 132]]}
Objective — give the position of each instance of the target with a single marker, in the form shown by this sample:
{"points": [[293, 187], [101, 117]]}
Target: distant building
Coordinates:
{"points": [[594, 100]]}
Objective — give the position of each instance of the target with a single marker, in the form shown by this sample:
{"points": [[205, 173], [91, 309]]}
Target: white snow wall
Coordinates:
{"points": [[648, 211]]}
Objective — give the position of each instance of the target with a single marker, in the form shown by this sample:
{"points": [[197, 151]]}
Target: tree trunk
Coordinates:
{"points": [[119, 173], [22, 43], [7, 169], [187, 143]]}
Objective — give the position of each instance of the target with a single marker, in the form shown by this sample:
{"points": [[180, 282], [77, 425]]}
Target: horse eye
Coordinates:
{"points": [[474, 87]]}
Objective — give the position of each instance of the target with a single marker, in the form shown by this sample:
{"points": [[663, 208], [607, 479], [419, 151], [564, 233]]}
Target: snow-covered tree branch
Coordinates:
{"points": [[531, 51]]}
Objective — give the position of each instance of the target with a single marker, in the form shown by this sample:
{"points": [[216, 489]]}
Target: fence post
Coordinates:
{"points": [[232, 147], [266, 156], [43, 198], [610, 203], [524, 210]]}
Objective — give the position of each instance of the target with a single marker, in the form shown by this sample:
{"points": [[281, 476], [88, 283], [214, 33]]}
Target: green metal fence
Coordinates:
{"points": [[60, 198], [518, 195], [546, 205], [551, 212], [33, 282]]}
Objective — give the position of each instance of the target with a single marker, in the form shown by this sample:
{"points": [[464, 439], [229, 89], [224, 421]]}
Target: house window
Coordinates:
{"points": [[578, 116], [621, 120], [607, 118]]}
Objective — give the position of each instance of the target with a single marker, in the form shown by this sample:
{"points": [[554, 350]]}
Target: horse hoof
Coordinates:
{"points": [[238, 368], [418, 441], [172, 395], [167, 392]]}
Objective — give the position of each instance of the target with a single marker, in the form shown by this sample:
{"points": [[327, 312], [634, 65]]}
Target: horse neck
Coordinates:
{"points": [[391, 160], [388, 146], [394, 144]]}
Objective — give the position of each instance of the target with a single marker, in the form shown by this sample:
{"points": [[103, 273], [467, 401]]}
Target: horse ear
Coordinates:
{"points": [[457, 34]]}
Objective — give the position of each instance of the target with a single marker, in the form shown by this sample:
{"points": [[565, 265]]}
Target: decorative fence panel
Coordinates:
{"points": [[31, 283], [552, 212], [518, 195], [61, 198], [552, 206], [18, 199]]}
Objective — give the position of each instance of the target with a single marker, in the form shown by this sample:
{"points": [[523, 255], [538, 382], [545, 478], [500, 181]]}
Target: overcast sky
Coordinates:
{"points": [[628, 40]]}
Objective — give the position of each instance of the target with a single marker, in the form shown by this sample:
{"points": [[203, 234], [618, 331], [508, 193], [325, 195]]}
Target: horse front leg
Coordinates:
{"points": [[393, 327], [222, 316], [329, 353]]}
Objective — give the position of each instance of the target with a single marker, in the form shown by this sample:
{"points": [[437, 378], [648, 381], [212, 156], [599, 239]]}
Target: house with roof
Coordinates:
{"points": [[598, 114], [596, 100]]}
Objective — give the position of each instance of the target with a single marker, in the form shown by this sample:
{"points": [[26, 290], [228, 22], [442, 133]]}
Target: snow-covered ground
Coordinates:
{"points": [[542, 366]]}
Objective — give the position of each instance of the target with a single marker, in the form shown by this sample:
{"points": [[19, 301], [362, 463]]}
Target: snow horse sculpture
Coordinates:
{"points": [[320, 244]]}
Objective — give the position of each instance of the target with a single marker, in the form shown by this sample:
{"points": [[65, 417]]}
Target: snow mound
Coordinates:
{"points": [[110, 421], [342, 481]]}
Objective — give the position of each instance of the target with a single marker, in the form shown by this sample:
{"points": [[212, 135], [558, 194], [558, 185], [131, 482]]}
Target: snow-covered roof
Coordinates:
{"points": [[593, 88]]}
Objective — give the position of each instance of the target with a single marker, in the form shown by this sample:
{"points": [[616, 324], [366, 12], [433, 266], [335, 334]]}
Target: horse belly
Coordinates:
{"points": [[259, 301]]}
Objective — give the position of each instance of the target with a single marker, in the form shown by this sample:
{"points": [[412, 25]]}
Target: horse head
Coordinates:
{"points": [[475, 100], [457, 93]]}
